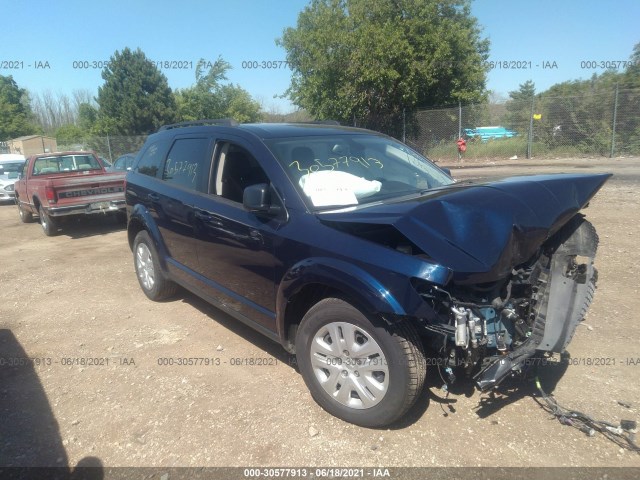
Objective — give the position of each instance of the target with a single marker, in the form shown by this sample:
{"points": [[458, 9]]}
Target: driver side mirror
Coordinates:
{"points": [[257, 199]]}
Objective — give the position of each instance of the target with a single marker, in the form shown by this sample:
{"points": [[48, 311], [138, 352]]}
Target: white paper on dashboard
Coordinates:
{"points": [[330, 187]]}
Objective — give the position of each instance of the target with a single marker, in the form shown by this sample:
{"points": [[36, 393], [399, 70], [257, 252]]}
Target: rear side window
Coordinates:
{"points": [[188, 164], [152, 158]]}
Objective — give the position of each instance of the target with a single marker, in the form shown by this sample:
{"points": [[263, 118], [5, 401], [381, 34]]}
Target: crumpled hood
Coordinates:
{"points": [[482, 231]]}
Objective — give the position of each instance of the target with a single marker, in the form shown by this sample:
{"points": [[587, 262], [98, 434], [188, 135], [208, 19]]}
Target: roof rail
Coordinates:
{"points": [[322, 122], [227, 122]]}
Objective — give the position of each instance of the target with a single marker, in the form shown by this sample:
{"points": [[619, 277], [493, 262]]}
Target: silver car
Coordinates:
{"points": [[10, 169]]}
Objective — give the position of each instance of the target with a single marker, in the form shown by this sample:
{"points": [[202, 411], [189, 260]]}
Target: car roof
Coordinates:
{"points": [[270, 130], [7, 162], [277, 130], [11, 158], [60, 154]]}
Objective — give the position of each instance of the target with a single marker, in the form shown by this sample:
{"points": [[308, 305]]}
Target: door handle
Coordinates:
{"points": [[255, 235], [153, 197], [202, 215]]}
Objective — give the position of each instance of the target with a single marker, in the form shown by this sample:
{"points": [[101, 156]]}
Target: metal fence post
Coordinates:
{"points": [[459, 119], [530, 139], [613, 126], [109, 147], [404, 126]]}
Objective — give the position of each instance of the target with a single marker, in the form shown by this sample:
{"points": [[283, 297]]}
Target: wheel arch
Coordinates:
{"points": [[139, 220], [315, 279], [36, 203]]}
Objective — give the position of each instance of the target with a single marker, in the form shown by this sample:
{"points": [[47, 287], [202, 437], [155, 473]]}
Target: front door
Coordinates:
{"points": [[236, 247]]}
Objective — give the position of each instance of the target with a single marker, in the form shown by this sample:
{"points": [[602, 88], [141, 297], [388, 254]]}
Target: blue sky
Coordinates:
{"points": [[533, 32]]}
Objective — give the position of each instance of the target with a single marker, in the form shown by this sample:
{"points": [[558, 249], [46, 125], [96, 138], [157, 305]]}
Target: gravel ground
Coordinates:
{"points": [[97, 386]]}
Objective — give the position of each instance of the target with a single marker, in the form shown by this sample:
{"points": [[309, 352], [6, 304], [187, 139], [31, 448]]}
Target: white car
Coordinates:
{"points": [[10, 169]]}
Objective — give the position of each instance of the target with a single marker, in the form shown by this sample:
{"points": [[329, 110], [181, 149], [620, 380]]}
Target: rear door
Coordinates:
{"points": [[169, 176], [185, 175]]}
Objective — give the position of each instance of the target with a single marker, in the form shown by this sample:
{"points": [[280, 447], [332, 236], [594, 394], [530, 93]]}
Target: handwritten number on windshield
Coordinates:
{"points": [[334, 164]]}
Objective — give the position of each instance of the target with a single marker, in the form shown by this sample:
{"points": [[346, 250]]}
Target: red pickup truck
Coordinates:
{"points": [[63, 184]]}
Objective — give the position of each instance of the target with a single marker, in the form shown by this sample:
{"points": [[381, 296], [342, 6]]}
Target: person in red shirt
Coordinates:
{"points": [[462, 147]]}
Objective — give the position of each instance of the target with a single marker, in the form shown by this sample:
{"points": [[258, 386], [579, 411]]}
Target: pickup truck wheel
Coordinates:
{"points": [[49, 226], [150, 276], [25, 216], [359, 370]]}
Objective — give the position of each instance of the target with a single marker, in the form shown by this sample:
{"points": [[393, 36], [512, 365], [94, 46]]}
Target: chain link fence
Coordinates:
{"points": [[604, 123], [108, 147]]}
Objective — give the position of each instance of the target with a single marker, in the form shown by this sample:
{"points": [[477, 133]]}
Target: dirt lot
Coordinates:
{"points": [[75, 297]]}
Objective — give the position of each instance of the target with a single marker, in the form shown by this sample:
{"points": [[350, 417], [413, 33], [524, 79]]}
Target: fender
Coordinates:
{"points": [[140, 215], [355, 282]]}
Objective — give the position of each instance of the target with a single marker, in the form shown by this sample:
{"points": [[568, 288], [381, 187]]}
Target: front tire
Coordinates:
{"points": [[48, 224], [150, 277], [362, 371]]}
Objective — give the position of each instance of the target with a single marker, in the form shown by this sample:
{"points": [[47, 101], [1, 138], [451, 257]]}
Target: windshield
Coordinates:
{"points": [[11, 170], [346, 170]]}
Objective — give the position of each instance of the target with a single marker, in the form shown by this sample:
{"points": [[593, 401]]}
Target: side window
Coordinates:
{"points": [[237, 169], [188, 164], [151, 161]]}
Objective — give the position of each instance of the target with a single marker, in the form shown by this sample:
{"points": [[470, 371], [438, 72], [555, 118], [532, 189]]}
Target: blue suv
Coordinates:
{"points": [[361, 257]]}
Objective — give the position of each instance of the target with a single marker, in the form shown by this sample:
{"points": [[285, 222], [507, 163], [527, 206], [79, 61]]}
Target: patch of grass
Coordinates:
{"points": [[502, 148]]}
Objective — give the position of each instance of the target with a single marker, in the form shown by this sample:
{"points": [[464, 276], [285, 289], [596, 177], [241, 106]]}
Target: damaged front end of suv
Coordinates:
{"points": [[493, 327], [520, 259]]}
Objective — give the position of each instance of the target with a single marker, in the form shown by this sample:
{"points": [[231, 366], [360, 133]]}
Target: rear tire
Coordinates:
{"points": [[359, 369], [25, 216], [49, 226], [150, 277]]}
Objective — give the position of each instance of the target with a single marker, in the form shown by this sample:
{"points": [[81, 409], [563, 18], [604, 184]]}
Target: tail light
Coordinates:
{"points": [[50, 193]]}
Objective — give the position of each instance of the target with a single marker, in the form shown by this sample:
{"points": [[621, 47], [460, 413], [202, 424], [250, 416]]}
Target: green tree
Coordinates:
{"points": [[579, 113], [370, 59], [210, 98], [87, 116], [238, 104], [68, 135], [135, 98], [518, 114], [15, 114]]}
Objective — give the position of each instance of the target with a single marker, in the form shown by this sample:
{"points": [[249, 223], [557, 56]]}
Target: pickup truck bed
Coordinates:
{"points": [[86, 194]]}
